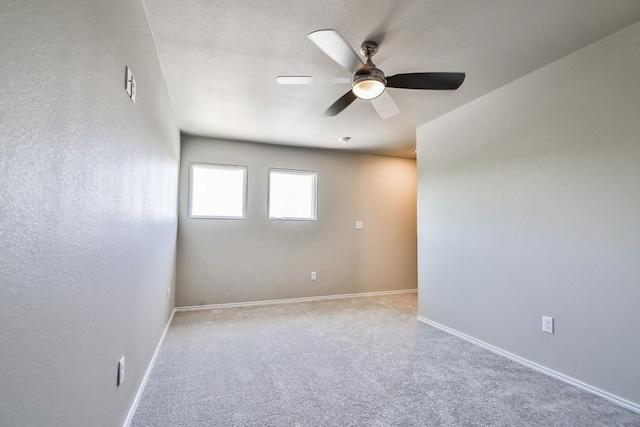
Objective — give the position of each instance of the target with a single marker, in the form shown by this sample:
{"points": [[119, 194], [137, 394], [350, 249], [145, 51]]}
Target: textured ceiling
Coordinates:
{"points": [[221, 58]]}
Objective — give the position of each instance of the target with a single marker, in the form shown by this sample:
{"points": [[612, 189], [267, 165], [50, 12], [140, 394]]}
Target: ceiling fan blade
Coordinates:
{"points": [[343, 102], [295, 80], [385, 105], [432, 81], [336, 48]]}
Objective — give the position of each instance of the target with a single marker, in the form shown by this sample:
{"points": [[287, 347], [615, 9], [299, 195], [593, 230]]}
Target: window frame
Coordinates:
{"points": [[218, 166], [314, 196]]}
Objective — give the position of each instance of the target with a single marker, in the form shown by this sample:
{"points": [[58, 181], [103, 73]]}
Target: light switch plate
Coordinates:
{"points": [[134, 89], [128, 77]]}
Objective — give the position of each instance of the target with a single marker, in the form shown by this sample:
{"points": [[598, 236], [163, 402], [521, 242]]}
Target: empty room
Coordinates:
{"points": [[329, 213]]}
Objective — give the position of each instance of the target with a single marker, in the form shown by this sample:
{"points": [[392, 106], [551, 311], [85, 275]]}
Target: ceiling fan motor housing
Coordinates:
{"points": [[369, 81]]}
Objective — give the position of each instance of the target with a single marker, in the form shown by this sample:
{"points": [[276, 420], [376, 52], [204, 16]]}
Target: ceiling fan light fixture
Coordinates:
{"points": [[368, 84], [368, 89]]}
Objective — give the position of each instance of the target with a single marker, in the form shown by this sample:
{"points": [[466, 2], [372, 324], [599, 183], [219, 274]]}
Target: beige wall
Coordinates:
{"points": [[88, 215], [529, 205], [221, 261]]}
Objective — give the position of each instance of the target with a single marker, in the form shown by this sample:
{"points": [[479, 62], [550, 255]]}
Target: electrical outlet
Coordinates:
{"points": [[359, 225], [120, 371], [313, 275], [547, 324]]}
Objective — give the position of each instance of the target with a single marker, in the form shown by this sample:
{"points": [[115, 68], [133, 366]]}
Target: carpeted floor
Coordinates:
{"points": [[348, 362]]}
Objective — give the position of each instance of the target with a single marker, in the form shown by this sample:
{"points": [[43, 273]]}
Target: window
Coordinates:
{"points": [[217, 191], [292, 194]]}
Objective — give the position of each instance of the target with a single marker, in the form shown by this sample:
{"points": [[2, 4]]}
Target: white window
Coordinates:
{"points": [[217, 191], [292, 194]]}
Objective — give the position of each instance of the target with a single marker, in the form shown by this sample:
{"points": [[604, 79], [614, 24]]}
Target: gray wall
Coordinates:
{"points": [[529, 204], [221, 261], [88, 206]]}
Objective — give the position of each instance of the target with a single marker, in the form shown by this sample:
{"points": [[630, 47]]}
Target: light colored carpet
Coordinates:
{"points": [[350, 362]]}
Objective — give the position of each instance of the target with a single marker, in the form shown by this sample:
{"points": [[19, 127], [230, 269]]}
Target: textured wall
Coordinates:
{"points": [[88, 193], [223, 261], [529, 204]]}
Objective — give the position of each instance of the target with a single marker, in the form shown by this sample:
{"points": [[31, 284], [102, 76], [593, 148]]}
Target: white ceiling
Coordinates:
{"points": [[221, 58]]}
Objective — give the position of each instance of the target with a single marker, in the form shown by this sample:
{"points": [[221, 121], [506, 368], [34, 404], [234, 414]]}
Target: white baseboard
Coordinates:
{"points": [[143, 383], [291, 300], [572, 381]]}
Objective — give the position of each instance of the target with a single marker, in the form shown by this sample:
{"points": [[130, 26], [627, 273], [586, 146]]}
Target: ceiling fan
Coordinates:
{"points": [[368, 81]]}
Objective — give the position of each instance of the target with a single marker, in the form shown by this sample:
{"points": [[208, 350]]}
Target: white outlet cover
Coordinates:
{"points": [[313, 275], [547, 324], [359, 225]]}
